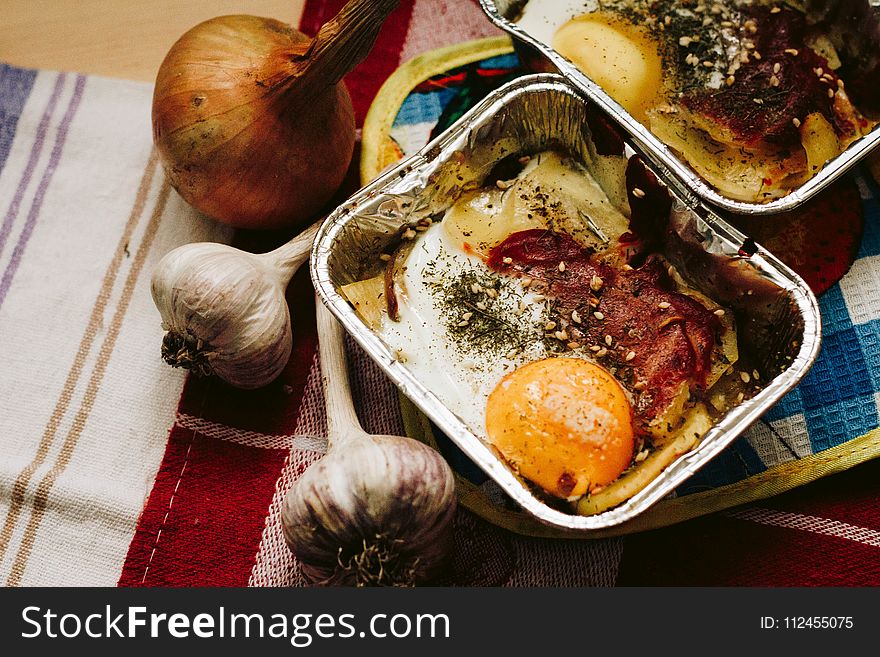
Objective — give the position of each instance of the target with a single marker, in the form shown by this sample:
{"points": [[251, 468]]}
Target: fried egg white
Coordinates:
{"points": [[460, 374]]}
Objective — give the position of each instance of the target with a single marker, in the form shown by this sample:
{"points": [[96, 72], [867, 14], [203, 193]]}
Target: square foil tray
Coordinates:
{"points": [[777, 315], [537, 55]]}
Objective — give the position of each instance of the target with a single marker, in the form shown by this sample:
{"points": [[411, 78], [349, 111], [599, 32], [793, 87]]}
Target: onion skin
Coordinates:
{"points": [[241, 137]]}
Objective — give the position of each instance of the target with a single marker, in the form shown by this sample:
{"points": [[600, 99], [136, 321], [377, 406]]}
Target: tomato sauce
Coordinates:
{"points": [[656, 338]]}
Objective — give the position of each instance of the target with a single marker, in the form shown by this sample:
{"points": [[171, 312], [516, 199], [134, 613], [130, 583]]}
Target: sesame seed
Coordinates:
{"points": [[575, 317], [775, 10], [667, 20], [684, 41], [756, 55], [561, 335], [385, 257], [476, 288], [791, 51], [627, 268], [526, 282], [421, 228], [774, 81], [596, 283], [730, 80], [467, 316], [831, 93], [573, 345], [756, 375], [538, 298], [745, 377], [480, 305], [409, 234], [708, 64], [720, 312], [748, 45], [759, 101], [562, 266], [776, 67], [630, 356], [609, 340], [549, 326], [507, 261], [491, 292], [818, 71], [504, 184], [595, 348], [641, 385], [598, 315], [638, 193], [602, 353], [797, 122], [463, 322], [641, 456], [663, 305]]}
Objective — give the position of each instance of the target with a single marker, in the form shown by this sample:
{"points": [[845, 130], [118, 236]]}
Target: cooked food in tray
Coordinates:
{"points": [[537, 309], [755, 95]]}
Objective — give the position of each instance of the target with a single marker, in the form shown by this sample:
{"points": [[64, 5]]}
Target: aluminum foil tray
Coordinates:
{"points": [[777, 316], [539, 56]]}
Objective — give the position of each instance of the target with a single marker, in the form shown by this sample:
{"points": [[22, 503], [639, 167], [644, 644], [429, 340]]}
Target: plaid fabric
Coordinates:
{"points": [[94, 488]]}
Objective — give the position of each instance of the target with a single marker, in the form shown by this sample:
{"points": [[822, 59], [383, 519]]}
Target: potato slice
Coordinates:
{"points": [[697, 423], [739, 173], [368, 299], [819, 140]]}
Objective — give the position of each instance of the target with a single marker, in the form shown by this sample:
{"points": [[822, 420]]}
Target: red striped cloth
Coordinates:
{"points": [[212, 515]]}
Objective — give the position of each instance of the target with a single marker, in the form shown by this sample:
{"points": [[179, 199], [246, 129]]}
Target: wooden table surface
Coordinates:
{"points": [[117, 38]]}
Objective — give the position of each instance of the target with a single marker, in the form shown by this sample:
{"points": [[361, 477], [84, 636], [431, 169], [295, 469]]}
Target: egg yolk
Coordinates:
{"points": [[563, 423], [620, 58]]}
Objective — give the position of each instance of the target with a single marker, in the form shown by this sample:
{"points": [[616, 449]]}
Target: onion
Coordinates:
{"points": [[251, 120]]}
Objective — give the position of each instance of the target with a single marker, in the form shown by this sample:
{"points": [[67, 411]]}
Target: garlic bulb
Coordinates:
{"points": [[224, 309], [376, 510]]}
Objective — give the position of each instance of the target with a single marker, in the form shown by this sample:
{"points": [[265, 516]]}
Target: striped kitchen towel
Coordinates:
{"points": [[84, 401]]}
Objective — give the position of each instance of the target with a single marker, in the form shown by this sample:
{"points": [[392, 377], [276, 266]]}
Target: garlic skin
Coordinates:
{"points": [[375, 511], [225, 313]]}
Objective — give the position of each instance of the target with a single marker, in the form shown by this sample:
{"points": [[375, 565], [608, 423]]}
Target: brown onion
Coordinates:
{"points": [[251, 120]]}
